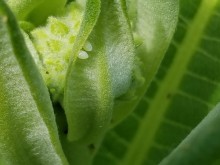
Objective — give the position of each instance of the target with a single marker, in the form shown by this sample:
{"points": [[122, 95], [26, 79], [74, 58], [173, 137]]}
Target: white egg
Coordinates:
{"points": [[83, 55], [87, 46]]}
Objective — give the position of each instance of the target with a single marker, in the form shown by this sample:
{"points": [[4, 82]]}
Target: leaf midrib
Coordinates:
{"points": [[141, 143]]}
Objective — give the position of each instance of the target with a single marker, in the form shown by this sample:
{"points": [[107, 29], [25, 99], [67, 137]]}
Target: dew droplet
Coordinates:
{"points": [[83, 55], [87, 46]]}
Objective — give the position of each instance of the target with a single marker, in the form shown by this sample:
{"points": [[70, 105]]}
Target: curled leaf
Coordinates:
{"points": [[27, 123], [92, 84], [153, 23]]}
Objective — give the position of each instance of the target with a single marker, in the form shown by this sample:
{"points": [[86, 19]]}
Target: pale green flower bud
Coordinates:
{"points": [[54, 43]]}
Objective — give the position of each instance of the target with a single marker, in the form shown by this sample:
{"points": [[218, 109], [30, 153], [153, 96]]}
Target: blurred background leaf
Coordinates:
{"points": [[201, 146]]}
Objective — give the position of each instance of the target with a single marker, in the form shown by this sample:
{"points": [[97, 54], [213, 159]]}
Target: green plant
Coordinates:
{"points": [[110, 100]]}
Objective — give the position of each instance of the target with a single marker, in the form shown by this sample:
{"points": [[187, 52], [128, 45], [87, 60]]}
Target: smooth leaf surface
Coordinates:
{"points": [[201, 146], [27, 123], [185, 89], [35, 11]]}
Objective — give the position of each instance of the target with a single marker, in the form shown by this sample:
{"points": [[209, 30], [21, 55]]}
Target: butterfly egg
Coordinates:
{"points": [[87, 46], [83, 55]]}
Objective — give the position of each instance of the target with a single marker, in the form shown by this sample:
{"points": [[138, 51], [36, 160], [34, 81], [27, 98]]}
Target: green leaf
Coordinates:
{"points": [[89, 100], [118, 44], [98, 80], [35, 11], [201, 146], [21, 9], [91, 14], [83, 92], [153, 24], [27, 123], [109, 74], [185, 89]]}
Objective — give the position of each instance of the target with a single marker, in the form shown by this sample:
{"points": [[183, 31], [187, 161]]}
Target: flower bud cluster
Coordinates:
{"points": [[54, 44]]}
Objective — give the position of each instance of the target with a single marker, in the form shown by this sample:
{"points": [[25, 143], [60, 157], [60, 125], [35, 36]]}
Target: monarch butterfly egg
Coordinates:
{"points": [[87, 46], [83, 55]]}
